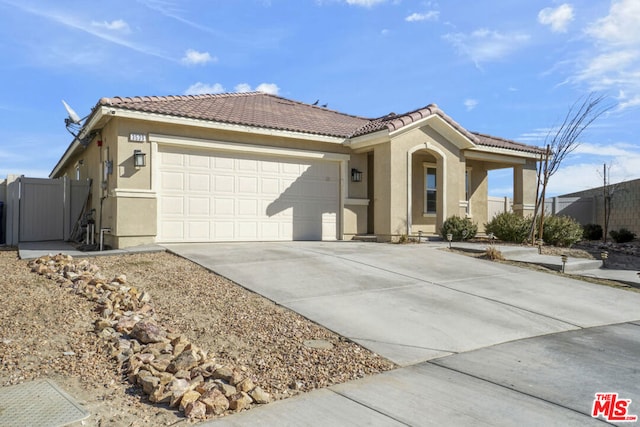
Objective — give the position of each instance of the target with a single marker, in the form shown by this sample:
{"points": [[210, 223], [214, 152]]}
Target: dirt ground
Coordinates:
{"points": [[47, 332]]}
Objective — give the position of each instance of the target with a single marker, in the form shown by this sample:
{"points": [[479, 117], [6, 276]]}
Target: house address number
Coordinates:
{"points": [[138, 137]]}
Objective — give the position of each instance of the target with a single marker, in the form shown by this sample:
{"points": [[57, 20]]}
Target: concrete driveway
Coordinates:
{"points": [[479, 342]]}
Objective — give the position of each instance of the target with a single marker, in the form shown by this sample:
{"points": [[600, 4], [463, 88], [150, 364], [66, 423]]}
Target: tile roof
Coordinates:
{"points": [[497, 142], [273, 112], [250, 109]]}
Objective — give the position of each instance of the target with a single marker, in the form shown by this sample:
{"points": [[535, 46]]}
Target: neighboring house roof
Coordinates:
{"points": [[273, 112]]}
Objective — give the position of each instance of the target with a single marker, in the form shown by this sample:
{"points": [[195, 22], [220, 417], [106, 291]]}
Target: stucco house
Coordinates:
{"points": [[259, 167]]}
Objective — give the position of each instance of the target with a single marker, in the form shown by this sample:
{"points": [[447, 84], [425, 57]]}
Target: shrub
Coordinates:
{"points": [[622, 236], [460, 228], [561, 231], [493, 254], [509, 227], [592, 232]]}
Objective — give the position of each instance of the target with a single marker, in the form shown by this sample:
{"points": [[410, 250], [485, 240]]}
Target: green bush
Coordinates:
{"points": [[509, 227], [622, 236], [592, 232], [460, 228], [561, 231]]}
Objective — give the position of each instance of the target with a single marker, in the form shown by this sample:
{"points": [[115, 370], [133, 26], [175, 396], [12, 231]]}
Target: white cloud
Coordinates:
{"points": [[582, 169], [193, 57], [200, 88], [432, 15], [485, 45], [620, 27], [558, 19], [365, 3], [243, 87], [117, 25], [204, 88], [270, 88], [613, 60], [470, 104]]}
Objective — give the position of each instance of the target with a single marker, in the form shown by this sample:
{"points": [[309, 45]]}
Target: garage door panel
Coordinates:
{"points": [[198, 231], [223, 230], [172, 230], [248, 185], [199, 161], [247, 207], [213, 196], [223, 163], [172, 205], [173, 180], [172, 159], [198, 206], [198, 182], [225, 184]]}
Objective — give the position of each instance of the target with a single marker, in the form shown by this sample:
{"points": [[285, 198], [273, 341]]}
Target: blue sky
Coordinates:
{"points": [[503, 67]]}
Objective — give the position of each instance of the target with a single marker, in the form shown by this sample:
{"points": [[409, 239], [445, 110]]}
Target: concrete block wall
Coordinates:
{"points": [[625, 205]]}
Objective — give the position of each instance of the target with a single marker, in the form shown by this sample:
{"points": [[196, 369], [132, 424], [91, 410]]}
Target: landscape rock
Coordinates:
{"points": [[186, 360], [245, 385], [215, 401], [195, 410], [189, 397], [147, 332], [259, 396], [240, 401]]}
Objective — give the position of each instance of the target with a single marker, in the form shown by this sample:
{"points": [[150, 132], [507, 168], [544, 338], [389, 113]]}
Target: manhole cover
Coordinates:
{"points": [[319, 344], [38, 403]]}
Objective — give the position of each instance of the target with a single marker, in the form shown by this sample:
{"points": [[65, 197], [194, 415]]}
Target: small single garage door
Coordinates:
{"points": [[207, 196]]}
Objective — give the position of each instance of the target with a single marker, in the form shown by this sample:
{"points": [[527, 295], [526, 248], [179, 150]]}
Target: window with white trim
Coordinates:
{"points": [[430, 189]]}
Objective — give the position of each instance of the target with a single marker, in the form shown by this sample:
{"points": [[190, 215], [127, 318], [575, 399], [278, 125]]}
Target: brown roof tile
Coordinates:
{"points": [[494, 141], [274, 112], [251, 109]]}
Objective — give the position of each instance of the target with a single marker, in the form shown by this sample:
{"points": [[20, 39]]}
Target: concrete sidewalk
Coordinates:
{"points": [[32, 250], [421, 307], [574, 266]]}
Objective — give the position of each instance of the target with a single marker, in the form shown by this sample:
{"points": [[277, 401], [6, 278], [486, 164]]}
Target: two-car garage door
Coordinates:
{"points": [[209, 196]]}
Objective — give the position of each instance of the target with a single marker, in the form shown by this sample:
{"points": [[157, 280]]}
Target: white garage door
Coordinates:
{"points": [[209, 196]]}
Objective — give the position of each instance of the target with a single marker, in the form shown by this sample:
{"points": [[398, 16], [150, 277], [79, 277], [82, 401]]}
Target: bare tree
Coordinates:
{"points": [[560, 142]]}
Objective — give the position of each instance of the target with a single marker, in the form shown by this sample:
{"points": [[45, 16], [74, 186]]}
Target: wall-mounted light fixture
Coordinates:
{"points": [[356, 175], [139, 159]]}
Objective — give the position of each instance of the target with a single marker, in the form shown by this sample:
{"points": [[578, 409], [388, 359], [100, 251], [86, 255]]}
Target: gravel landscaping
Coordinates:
{"points": [[47, 331]]}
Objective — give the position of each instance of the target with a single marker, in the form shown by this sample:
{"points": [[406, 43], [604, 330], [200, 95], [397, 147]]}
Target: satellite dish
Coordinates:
{"points": [[75, 126], [73, 116]]}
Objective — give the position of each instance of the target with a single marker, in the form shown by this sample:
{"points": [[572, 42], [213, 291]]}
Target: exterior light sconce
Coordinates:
{"points": [[564, 259], [139, 159], [356, 175], [449, 238]]}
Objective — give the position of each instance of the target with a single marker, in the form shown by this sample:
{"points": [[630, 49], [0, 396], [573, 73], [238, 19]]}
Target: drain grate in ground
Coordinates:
{"points": [[38, 403]]}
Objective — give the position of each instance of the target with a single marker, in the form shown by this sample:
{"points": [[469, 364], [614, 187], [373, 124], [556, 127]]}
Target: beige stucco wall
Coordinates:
{"points": [[478, 193], [524, 188], [391, 171], [129, 205]]}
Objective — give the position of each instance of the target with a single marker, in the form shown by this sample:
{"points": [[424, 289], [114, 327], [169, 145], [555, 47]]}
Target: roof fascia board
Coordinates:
{"points": [[246, 148], [185, 121], [75, 145], [368, 140], [441, 126]]}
